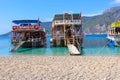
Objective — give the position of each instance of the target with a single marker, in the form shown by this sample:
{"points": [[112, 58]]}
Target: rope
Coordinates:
{"points": [[102, 48]]}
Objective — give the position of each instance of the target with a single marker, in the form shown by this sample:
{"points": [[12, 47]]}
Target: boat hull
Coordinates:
{"points": [[112, 41], [63, 42], [32, 44]]}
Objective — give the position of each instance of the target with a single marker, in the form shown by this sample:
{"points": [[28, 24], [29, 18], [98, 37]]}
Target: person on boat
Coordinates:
{"points": [[73, 32], [68, 32], [26, 36], [58, 33]]}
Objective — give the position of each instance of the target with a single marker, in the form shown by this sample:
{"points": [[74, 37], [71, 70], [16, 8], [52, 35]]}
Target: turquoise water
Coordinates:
{"points": [[96, 45], [93, 45], [5, 48]]}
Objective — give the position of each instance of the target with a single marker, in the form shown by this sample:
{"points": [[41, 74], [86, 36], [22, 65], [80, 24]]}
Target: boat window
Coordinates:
{"points": [[59, 31], [117, 30], [25, 24]]}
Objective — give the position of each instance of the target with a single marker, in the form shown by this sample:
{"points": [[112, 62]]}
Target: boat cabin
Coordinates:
{"points": [[66, 28], [28, 31], [113, 35], [114, 28]]}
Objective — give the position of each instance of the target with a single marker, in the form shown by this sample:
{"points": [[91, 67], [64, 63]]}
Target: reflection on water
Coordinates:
{"points": [[47, 51], [54, 51], [93, 45]]}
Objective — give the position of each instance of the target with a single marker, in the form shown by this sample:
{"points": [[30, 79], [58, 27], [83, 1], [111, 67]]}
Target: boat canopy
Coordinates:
{"points": [[25, 21], [115, 24]]}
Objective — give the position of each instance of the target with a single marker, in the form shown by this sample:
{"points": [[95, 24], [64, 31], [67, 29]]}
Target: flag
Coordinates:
{"points": [[79, 17], [38, 22]]}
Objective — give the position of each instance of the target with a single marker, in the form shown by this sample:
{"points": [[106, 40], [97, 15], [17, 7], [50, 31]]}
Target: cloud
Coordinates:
{"points": [[116, 2], [94, 14], [48, 19]]}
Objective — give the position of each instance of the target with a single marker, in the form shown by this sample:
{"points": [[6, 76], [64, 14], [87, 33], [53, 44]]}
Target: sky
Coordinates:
{"points": [[46, 9]]}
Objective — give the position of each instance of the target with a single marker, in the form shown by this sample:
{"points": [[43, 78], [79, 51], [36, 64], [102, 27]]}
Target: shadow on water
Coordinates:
{"points": [[30, 51], [21, 50], [93, 45], [47, 51]]}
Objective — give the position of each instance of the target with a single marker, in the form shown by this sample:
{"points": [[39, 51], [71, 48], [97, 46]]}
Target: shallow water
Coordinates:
{"points": [[96, 45], [93, 45]]}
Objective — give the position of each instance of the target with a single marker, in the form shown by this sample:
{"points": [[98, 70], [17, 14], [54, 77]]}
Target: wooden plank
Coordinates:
{"points": [[18, 46]]}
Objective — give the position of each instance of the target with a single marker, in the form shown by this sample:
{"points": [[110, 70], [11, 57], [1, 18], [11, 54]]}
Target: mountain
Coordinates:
{"points": [[7, 34], [94, 24], [47, 26], [99, 23]]}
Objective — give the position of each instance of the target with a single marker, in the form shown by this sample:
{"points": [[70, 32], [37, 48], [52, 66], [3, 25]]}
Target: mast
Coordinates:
{"points": [[38, 23], [64, 29]]}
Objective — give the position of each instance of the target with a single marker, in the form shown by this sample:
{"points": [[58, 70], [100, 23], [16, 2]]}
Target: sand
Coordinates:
{"points": [[59, 68]]}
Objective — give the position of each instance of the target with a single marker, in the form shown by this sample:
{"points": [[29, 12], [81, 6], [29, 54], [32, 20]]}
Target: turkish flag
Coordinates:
{"points": [[79, 17]]}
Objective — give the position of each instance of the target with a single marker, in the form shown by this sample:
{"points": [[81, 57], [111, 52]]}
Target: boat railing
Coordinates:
{"points": [[55, 36], [80, 36], [17, 40], [58, 33], [77, 21], [77, 34], [32, 27], [114, 34], [73, 35], [34, 39]]}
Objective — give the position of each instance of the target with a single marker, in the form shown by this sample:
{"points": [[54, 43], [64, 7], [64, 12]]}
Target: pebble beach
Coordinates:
{"points": [[59, 68]]}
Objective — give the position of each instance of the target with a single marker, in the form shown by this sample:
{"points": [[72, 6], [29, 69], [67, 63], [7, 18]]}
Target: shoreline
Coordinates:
{"points": [[60, 67]]}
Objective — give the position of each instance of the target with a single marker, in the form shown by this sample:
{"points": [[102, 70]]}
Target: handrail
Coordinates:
{"points": [[78, 44], [67, 21]]}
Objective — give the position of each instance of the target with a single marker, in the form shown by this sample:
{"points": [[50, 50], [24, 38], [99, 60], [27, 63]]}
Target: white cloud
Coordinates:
{"points": [[48, 19], [94, 14], [116, 2]]}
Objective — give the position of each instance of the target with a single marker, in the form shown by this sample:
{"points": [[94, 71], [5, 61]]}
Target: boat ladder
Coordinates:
{"points": [[72, 49], [18, 46]]}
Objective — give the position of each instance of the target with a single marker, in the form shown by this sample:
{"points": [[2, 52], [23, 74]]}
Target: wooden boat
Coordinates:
{"points": [[27, 34], [67, 28], [113, 34]]}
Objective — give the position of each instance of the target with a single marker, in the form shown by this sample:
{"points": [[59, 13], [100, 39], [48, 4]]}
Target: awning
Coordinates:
{"points": [[24, 21]]}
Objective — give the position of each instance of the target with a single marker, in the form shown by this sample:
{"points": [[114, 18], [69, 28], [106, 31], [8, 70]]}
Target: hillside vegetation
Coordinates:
{"points": [[99, 23]]}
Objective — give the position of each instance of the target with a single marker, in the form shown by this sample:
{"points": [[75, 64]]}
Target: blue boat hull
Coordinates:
{"points": [[111, 42]]}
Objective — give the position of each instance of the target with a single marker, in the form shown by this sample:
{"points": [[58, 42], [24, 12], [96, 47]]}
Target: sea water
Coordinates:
{"points": [[97, 45], [93, 45], [4, 46]]}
